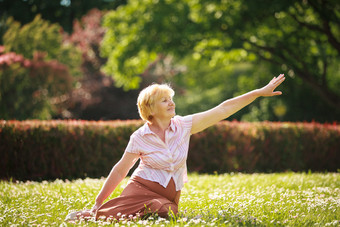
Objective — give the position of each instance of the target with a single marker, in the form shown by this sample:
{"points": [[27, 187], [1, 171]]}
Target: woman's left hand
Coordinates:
{"points": [[95, 208], [268, 90]]}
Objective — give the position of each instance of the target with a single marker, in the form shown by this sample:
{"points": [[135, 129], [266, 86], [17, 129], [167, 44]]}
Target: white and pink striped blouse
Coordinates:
{"points": [[160, 161]]}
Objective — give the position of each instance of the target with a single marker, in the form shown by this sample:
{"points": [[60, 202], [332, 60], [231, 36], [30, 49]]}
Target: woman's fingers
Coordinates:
{"points": [[277, 81], [272, 81], [280, 80]]}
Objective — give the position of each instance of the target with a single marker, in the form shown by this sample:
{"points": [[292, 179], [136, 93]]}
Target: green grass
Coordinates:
{"points": [[287, 199]]}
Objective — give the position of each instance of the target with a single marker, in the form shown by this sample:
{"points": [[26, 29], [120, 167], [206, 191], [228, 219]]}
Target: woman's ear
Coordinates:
{"points": [[151, 113], [152, 110]]}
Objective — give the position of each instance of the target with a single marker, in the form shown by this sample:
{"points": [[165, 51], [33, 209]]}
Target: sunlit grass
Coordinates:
{"points": [[293, 199]]}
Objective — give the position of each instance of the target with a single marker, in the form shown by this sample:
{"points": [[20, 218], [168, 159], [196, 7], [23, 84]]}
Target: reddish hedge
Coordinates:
{"points": [[38, 150], [266, 147]]}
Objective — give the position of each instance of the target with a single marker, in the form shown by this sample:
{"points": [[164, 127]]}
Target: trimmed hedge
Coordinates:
{"points": [[39, 150], [266, 147]]}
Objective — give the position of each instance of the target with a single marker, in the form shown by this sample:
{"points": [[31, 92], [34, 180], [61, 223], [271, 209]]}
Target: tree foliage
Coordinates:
{"points": [[42, 36], [95, 96], [37, 70], [300, 38], [63, 12], [28, 85], [303, 39]]}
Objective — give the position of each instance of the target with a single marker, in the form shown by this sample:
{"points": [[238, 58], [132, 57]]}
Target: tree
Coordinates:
{"points": [[27, 86], [37, 70], [63, 12], [298, 37], [95, 97], [303, 38], [42, 36]]}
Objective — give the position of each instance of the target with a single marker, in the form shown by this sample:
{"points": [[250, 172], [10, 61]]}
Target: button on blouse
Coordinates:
{"points": [[160, 161]]}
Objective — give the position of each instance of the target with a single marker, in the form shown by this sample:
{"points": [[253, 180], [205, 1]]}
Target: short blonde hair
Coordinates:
{"points": [[148, 96]]}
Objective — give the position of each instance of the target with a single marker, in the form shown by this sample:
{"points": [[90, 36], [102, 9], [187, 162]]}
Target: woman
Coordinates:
{"points": [[162, 145]]}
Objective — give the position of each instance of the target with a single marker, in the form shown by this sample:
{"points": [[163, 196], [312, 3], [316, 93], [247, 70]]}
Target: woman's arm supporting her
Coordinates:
{"points": [[117, 174], [203, 120]]}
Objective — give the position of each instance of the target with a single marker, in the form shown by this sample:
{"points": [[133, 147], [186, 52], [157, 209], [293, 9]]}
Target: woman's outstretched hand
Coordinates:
{"points": [[268, 90]]}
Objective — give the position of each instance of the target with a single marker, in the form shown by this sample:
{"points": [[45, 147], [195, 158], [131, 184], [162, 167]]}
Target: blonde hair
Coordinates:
{"points": [[148, 96]]}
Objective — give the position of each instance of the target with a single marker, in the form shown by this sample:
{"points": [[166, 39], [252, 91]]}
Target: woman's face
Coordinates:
{"points": [[164, 107]]}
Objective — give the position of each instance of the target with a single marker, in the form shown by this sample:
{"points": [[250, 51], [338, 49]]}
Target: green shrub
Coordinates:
{"points": [[37, 70], [41, 36], [38, 150]]}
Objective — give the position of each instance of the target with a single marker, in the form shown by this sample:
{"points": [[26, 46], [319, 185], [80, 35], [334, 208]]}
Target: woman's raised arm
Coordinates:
{"points": [[203, 120]]}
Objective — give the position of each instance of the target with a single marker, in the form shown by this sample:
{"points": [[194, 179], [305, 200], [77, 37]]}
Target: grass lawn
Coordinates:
{"points": [[287, 199]]}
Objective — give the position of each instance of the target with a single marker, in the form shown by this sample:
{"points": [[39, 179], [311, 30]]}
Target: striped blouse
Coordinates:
{"points": [[160, 161]]}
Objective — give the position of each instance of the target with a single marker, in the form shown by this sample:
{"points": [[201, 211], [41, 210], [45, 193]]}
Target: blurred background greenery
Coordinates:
{"points": [[89, 59]]}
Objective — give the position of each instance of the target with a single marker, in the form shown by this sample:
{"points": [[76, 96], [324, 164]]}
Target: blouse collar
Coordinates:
{"points": [[146, 129]]}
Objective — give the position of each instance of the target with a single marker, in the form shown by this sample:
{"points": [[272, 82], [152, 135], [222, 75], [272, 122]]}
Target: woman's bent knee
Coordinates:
{"points": [[162, 207], [168, 209]]}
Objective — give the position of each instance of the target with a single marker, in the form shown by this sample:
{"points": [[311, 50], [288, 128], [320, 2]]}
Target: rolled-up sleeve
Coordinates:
{"points": [[131, 148], [185, 122]]}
